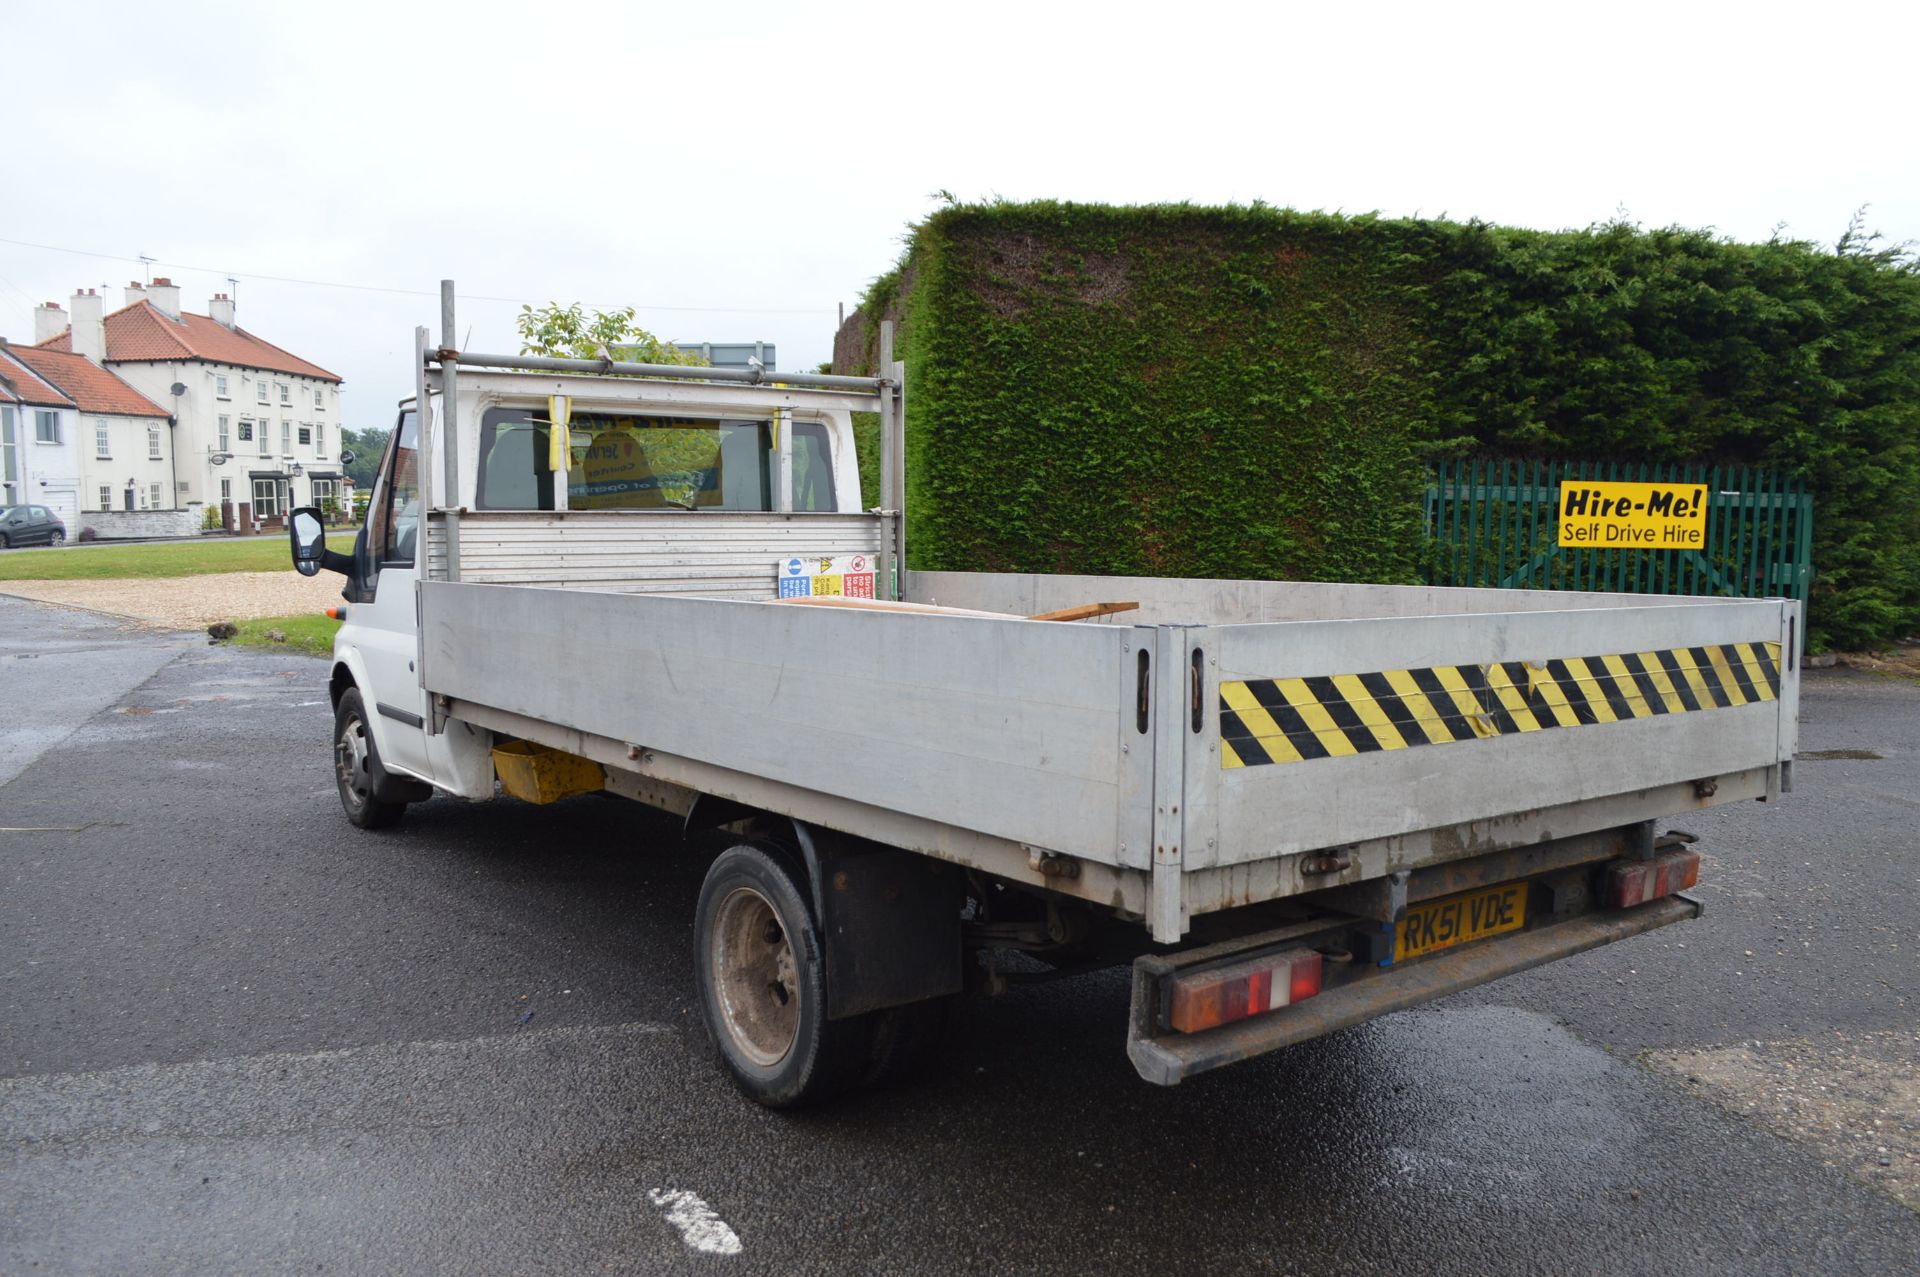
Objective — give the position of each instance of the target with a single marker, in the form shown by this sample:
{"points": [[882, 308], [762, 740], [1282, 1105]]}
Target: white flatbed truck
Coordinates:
{"points": [[1291, 806]]}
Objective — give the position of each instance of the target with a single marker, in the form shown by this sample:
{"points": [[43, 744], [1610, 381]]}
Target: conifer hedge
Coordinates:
{"points": [[1255, 392]]}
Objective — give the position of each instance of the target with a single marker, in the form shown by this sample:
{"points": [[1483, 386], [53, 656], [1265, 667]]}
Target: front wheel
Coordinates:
{"points": [[356, 766], [5, 542], [58, 538], [759, 965]]}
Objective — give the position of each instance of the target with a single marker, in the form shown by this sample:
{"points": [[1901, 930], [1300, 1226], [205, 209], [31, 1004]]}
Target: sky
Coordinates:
{"points": [[737, 177]]}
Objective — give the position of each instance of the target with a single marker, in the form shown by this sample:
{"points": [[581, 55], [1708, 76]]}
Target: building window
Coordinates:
{"points": [[46, 426], [153, 443], [319, 403], [106, 497], [306, 434], [220, 385], [319, 441], [286, 438], [100, 440], [226, 491], [260, 390], [286, 392], [266, 498], [323, 492], [224, 422], [153, 498]]}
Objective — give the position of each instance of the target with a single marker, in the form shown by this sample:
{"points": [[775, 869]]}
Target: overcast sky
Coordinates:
{"points": [[736, 179]]}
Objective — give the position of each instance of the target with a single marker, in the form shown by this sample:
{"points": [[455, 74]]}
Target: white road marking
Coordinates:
{"points": [[699, 1227]]}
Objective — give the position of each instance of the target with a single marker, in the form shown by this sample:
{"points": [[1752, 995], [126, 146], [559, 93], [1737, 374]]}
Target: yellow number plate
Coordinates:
{"points": [[1451, 920]]}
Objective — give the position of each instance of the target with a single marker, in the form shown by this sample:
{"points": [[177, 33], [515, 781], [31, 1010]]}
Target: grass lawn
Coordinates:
{"points": [[159, 559], [310, 634]]}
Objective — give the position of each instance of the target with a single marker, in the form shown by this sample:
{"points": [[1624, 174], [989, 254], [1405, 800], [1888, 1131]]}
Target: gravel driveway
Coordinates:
{"points": [[188, 602]]}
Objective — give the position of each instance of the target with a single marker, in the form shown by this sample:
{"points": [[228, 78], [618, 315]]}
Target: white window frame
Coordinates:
{"points": [[153, 500], [320, 439], [220, 386], [286, 438], [319, 400], [286, 393], [223, 429], [9, 454], [106, 496], [153, 443], [260, 390], [46, 425], [226, 491], [273, 499], [102, 442]]}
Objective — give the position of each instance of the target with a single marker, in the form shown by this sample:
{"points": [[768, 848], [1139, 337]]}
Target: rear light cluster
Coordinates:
{"points": [[1221, 995], [1633, 882]]}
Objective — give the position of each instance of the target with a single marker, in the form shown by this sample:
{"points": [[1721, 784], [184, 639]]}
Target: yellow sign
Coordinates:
{"points": [[1633, 516]]}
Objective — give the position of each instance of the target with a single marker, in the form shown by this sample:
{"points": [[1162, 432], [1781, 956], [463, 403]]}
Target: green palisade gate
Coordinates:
{"points": [[1495, 522], [1256, 392]]}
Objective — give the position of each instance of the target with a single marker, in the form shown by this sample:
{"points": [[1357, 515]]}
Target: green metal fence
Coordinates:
{"points": [[1496, 523]]}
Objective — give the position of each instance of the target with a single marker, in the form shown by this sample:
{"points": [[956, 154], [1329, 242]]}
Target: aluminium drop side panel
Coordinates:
{"points": [[1010, 728], [1271, 809]]}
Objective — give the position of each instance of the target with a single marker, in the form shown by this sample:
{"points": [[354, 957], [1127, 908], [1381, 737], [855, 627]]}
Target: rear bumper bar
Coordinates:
{"points": [[1166, 1058]]}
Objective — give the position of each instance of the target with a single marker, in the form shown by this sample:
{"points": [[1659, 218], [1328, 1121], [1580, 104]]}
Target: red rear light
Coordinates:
{"points": [[1221, 995], [1634, 882]]}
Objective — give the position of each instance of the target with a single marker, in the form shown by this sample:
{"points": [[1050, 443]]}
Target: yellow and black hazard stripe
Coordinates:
{"points": [[1295, 720]]}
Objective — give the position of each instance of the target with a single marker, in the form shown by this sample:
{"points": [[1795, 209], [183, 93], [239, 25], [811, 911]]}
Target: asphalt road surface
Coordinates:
{"points": [[237, 1035]]}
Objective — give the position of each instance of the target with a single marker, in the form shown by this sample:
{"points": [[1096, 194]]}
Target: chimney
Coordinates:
{"points": [[165, 294], [89, 334], [136, 291], [221, 310], [49, 321]]}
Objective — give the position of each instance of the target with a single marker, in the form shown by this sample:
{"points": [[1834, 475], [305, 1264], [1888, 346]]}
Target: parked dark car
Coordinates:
{"points": [[30, 525]]}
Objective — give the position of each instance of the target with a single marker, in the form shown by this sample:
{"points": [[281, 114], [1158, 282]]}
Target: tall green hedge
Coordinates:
{"points": [[1254, 392]]}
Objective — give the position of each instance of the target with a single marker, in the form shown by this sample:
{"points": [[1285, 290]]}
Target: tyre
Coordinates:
{"points": [[356, 766], [5, 544], [759, 966], [904, 1040], [57, 537]]}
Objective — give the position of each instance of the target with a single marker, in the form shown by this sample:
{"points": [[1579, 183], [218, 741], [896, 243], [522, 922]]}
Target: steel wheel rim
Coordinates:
{"points": [[755, 976], [350, 760]]}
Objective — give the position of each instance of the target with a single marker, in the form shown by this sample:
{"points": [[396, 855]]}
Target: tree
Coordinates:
{"points": [[576, 333], [367, 446]]}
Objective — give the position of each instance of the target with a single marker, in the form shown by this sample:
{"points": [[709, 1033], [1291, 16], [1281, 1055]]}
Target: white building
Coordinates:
{"points": [[39, 442], [257, 428], [125, 448]]}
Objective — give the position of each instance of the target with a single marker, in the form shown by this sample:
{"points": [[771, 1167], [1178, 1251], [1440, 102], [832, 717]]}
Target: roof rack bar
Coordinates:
{"points": [[611, 367]]}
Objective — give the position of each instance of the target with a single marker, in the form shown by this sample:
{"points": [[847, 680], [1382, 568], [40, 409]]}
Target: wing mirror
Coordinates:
{"points": [[308, 533]]}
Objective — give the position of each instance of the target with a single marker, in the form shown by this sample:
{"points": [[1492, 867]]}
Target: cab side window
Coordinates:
{"points": [[394, 520]]}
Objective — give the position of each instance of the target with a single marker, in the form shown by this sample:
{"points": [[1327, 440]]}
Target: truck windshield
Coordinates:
{"points": [[625, 462]]}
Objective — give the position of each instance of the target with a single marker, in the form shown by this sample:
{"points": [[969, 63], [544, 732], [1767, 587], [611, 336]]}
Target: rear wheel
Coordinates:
{"points": [[356, 766], [57, 538], [762, 979]]}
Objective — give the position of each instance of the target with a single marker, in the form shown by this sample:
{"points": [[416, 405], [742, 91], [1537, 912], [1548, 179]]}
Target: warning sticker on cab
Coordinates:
{"points": [[850, 575], [1633, 516]]}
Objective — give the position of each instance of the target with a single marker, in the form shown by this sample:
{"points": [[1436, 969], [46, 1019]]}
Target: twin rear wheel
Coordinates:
{"points": [[760, 968]]}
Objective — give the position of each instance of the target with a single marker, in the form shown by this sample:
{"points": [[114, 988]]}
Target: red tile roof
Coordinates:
{"points": [[20, 384], [91, 387], [143, 333]]}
